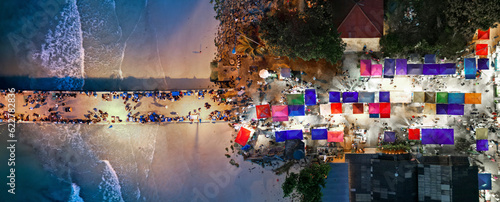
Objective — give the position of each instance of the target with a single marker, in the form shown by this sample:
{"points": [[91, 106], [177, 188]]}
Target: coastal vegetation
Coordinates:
{"points": [[307, 184]]}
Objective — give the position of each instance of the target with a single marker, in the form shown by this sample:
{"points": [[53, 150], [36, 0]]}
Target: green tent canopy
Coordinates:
{"points": [[295, 99], [442, 98]]}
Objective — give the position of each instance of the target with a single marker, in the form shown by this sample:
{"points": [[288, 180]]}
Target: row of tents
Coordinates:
{"points": [[426, 135], [394, 67], [406, 97]]}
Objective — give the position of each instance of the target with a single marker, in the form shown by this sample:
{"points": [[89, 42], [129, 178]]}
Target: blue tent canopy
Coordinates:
{"points": [[294, 135], [374, 115], [384, 96], [484, 180], [441, 109], [334, 96], [175, 93], [296, 110], [310, 97], [430, 59], [456, 98], [319, 134], [447, 68], [349, 97], [483, 63], [280, 136], [389, 136], [431, 69], [470, 68], [401, 66], [389, 68], [437, 136], [415, 69], [366, 97], [455, 109]]}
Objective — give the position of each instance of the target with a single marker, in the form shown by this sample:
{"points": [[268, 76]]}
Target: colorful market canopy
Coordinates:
{"points": [[310, 97], [243, 135], [455, 109], [481, 133], [366, 97], [334, 96], [325, 109], [385, 108], [374, 115], [365, 67], [376, 70], [319, 134], [430, 59], [349, 97], [374, 108], [482, 145], [389, 136], [335, 136], [484, 181], [447, 68], [296, 110], [430, 108], [384, 96], [295, 99], [389, 67], [357, 108], [437, 136], [280, 136], [419, 97], [483, 63], [286, 72], [294, 135], [431, 69], [430, 97], [483, 35], [336, 108], [280, 113], [481, 49], [456, 98], [401, 66], [442, 97], [472, 98], [470, 68], [400, 97], [263, 111], [414, 134], [441, 109], [415, 69]]}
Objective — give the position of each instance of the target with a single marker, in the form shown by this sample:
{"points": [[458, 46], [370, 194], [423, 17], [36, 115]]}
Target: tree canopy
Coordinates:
{"points": [[310, 35], [467, 16], [307, 183]]}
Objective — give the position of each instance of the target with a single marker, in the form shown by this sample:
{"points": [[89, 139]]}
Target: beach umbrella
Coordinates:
{"points": [[263, 73]]}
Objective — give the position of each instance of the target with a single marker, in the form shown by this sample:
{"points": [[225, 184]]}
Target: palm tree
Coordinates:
{"points": [[245, 46]]}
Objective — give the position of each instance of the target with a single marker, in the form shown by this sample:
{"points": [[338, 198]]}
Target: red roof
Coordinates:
{"points": [[365, 19]]}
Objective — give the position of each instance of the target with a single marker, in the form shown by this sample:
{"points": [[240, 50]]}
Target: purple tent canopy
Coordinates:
{"points": [[294, 135], [455, 109], [430, 59], [483, 63], [280, 136], [431, 69], [447, 68], [389, 66], [389, 136], [482, 145], [348, 97], [470, 68], [296, 110], [334, 96], [415, 69], [310, 97], [442, 109], [401, 66], [319, 134], [384, 96], [437, 136]]}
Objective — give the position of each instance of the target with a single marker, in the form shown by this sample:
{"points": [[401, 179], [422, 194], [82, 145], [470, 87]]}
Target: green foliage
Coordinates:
{"points": [[310, 35], [307, 183], [465, 16], [463, 145]]}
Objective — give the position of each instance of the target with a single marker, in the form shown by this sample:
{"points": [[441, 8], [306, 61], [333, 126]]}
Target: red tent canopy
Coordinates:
{"points": [[414, 134], [335, 136], [263, 111], [336, 108], [357, 108], [385, 110], [243, 136], [483, 35], [481, 49]]}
